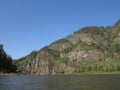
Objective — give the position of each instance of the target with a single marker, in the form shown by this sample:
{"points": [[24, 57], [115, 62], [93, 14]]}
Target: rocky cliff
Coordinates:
{"points": [[88, 49]]}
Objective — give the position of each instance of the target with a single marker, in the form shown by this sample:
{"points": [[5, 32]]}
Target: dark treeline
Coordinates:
{"points": [[6, 65]]}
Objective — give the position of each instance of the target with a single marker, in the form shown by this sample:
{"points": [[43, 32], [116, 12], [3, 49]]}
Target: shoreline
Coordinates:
{"points": [[95, 73], [7, 74], [84, 73]]}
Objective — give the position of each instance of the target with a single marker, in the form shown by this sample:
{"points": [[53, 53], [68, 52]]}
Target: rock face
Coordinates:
{"points": [[89, 44], [6, 65], [84, 55]]}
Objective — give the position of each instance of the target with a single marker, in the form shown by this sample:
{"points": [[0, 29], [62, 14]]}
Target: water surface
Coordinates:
{"points": [[60, 82]]}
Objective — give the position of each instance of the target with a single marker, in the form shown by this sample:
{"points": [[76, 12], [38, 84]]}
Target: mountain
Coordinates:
{"points": [[90, 49], [6, 65]]}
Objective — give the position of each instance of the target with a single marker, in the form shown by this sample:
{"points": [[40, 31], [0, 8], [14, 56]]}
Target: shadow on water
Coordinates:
{"points": [[60, 82]]}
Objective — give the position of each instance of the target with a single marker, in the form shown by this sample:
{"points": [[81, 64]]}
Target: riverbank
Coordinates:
{"points": [[97, 73], [7, 74], [84, 73]]}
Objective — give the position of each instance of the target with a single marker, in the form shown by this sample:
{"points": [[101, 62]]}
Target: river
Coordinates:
{"points": [[60, 82]]}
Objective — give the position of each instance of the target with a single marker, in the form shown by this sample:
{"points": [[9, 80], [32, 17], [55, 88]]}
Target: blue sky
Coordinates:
{"points": [[27, 25]]}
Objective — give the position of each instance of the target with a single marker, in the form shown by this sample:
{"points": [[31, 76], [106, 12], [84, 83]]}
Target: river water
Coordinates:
{"points": [[60, 82]]}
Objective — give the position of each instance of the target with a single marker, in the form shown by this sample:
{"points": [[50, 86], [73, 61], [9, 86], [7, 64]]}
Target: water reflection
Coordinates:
{"points": [[60, 82]]}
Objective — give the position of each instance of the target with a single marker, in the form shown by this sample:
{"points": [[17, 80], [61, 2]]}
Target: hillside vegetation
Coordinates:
{"points": [[88, 49]]}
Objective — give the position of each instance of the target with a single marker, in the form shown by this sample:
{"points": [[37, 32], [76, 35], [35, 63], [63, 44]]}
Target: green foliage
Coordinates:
{"points": [[83, 46], [64, 40], [55, 55], [102, 66], [92, 30], [114, 49], [117, 23]]}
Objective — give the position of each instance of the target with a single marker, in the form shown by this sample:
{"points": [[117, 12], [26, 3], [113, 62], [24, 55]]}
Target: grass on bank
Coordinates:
{"points": [[90, 73]]}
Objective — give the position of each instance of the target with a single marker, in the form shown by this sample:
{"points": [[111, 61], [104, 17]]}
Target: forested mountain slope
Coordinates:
{"points": [[88, 49]]}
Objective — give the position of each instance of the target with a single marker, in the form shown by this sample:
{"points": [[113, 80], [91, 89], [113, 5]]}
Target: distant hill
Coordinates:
{"points": [[90, 49], [6, 65]]}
